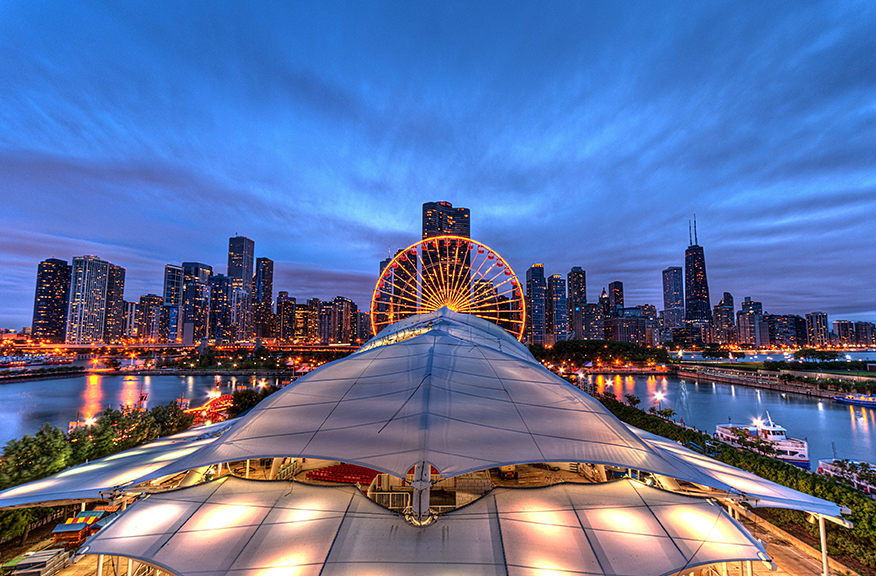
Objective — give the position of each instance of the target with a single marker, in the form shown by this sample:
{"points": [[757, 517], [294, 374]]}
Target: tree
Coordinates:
{"points": [[34, 457], [633, 400], [818, 355], [714, 352], [170, 418], [666, 413], [738, 355], [112, 363]]}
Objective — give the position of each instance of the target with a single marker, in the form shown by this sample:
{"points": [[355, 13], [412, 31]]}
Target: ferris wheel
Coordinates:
{"points": [[462, 274]]}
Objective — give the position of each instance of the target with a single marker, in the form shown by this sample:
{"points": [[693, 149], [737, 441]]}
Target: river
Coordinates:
{"points": [[25, 406], [821, 421]]}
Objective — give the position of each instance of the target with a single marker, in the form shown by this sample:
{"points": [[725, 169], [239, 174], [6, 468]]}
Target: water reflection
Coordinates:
{"points": [[92, 397]]}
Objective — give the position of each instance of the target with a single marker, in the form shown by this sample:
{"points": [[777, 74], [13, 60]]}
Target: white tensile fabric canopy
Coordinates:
{"points": [[460, 393], [445, 388], [232, 527], [756, 491]]}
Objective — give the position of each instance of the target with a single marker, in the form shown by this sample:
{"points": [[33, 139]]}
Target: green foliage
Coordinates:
{"points": [[738, 355], [579, 352], [112, 363], [860, 542], [633, 400], [243, 400], [819, 355], [715, 352], [33, 457]]}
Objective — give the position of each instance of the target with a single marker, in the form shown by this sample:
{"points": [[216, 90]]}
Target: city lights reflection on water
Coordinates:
{"points": [[26, 406], [704, 405]]}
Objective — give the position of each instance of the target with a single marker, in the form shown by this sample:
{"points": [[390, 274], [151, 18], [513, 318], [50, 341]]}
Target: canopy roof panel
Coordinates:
{"points": [[241, 527], [460, 394], [758, 491]]}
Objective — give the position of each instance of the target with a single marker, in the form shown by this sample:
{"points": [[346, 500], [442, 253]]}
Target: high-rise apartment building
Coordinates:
{"points": [[864, 334], [130, 319], [114, 319], [616, 299], [262, 298], [786, 331], [845, 332], [723, 320], [697, 308], [149, 316], [50, 301], [285, 318], [577, 282], [556, 311], [221, 327], [194, 321], [751, 329], [673, 297], [594, 326], [816, 328], [536, 292], [197, 272], [441, 218], [86, 309]]}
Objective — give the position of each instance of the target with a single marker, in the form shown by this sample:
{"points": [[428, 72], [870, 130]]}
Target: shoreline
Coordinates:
{"points": [[758, 383], [150, 372]]}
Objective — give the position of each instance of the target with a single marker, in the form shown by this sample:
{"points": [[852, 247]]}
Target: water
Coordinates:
{"points": [[26, 406], [705, 405]]}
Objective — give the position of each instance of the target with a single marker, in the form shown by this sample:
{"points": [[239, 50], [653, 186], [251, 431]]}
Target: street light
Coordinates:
{"points": [[659, 397]]}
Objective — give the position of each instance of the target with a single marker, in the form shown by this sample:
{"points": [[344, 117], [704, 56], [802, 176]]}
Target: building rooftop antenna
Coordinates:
{"points": [[689, 233], [696, 242]]}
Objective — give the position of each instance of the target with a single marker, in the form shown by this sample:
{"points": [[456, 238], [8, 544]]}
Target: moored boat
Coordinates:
{"points": [[857, 400], [791, 450]]}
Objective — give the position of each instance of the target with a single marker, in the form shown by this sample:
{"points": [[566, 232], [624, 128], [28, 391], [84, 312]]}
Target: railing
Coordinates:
{"points": [[397, 501], [288, 471]]}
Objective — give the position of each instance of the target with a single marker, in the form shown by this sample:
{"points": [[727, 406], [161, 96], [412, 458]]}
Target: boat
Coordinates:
{"points": [[791, 450], [857, 400], [861, 475]]}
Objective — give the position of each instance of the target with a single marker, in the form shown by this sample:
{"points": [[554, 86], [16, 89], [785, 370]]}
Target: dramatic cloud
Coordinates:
{"points": [[579, 134]]}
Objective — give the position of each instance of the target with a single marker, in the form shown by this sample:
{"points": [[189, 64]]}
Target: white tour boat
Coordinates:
{"points": [[790, 450]]}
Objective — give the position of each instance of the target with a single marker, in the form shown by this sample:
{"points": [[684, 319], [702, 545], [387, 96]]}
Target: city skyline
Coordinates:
{"points": [[586, 136]]}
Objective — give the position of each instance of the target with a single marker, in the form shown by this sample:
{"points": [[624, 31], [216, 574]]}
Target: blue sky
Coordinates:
{"points": [[578, 133]]}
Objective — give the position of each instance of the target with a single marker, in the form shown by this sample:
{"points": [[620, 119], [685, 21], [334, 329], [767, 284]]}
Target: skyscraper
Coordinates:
{"points": [[114, 319], [50, 301], [577, 282], [616, 299], [285, 320], [446, 260], [240, 271], [262, 299], [816, 326], [751, 329], [673, 297], [221, 328], [86, 309], [194, 319], [441, 218], [556, 311], [723, 320], [536, 289], [697, 308], [149, 313]]}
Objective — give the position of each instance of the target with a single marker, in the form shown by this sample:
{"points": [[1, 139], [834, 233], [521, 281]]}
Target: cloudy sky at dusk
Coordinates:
{"points": [[578, 133]]}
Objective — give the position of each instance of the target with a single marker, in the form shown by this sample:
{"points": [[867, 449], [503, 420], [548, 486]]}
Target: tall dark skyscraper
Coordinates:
{"points": [[285, 320], [221, 291], [577, 282], [240, 271], [556, 311], [262, 297], [441, 218], [697, 308], [616, 299], [50, 301], [536, 291], [673, 297], [114, 318]]}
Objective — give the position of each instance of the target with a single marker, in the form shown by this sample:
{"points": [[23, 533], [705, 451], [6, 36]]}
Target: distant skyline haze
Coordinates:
{"points": [[578, 134]]}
